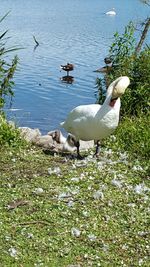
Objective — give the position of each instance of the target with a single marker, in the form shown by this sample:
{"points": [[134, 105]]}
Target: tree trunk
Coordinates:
{"points": [[143, 36]]}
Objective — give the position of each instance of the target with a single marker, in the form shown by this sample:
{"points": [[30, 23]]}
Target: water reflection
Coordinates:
{"points": [[71, 31], [67, 79]]}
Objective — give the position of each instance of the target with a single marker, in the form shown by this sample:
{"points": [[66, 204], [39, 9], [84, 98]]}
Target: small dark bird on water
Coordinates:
{"points": [[107, 68], [108, 60], [68, 67]]}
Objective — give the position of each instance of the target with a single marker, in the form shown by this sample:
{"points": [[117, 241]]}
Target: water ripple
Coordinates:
{"points": [[68, 31]]}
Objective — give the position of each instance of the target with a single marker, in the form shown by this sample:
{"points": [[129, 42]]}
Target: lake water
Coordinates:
{"points": [[75, 31]]}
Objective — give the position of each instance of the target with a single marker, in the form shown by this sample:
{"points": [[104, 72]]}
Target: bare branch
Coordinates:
{"points": [[143, 36]]}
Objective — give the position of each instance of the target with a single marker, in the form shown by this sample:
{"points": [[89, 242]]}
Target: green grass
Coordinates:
{"points": [[99, 198], [133, 134]]}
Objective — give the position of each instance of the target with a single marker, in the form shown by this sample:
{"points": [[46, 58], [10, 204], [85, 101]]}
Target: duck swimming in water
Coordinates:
{"points": [[68, 67]]}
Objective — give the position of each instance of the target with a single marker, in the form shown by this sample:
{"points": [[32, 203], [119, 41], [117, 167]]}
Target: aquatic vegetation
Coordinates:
{"points": [[7, 69]]}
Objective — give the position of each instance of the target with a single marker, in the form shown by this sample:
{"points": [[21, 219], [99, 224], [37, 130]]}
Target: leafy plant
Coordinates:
{"points": [[123, 45], [9, 134], [6, 69], [136, 66], [133, 136], [100, 84], [136, 101]]}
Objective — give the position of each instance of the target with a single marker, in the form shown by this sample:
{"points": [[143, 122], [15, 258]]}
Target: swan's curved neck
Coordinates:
{"points": [[109, 100], [110, 90]]}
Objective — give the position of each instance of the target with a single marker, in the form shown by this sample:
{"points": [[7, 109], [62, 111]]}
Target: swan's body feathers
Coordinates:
{"points": [[91, 122], [95, 122]]}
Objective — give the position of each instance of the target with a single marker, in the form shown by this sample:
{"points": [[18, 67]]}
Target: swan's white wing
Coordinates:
{"points": [[83, 111], [79, 117]]}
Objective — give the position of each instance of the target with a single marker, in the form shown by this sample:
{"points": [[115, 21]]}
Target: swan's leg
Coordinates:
{"points": [[97, 149], [78, 150]]}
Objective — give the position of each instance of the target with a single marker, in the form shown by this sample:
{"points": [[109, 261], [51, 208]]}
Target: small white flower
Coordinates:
{"points": [[75, 191], [73, 166], [137, 168], [13, 252], [132, 205], [125, 247], [109, 151], [141, 188], [89, 187], [75, 179], [146, 198], [75, 232], [92, 237], [38, 191], [110, 204], [29, 235], [7, 238], [117, 183], [13, 160], [56, 170], [85, 256], [70, 203], [81, 163], [98, 195], [85, 213], [39, 264], [113, 138], [123, 155], [105, 247], [140, 262], [107, 218], [63, 195], [82, 176]]}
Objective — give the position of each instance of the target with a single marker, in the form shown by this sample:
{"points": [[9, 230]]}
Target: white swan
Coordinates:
{"points": [[95, 122], [111, 12]]}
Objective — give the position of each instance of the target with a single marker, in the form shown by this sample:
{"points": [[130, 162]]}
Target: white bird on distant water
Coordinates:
{"points": [[111, 12], [95, 122]]}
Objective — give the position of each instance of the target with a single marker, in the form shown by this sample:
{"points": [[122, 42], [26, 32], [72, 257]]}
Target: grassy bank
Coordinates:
{"points": [[56, 211]]}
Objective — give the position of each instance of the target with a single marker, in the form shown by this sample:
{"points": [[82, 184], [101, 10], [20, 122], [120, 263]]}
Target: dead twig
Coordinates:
{"points": [[17, 203], [37, 43]]}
